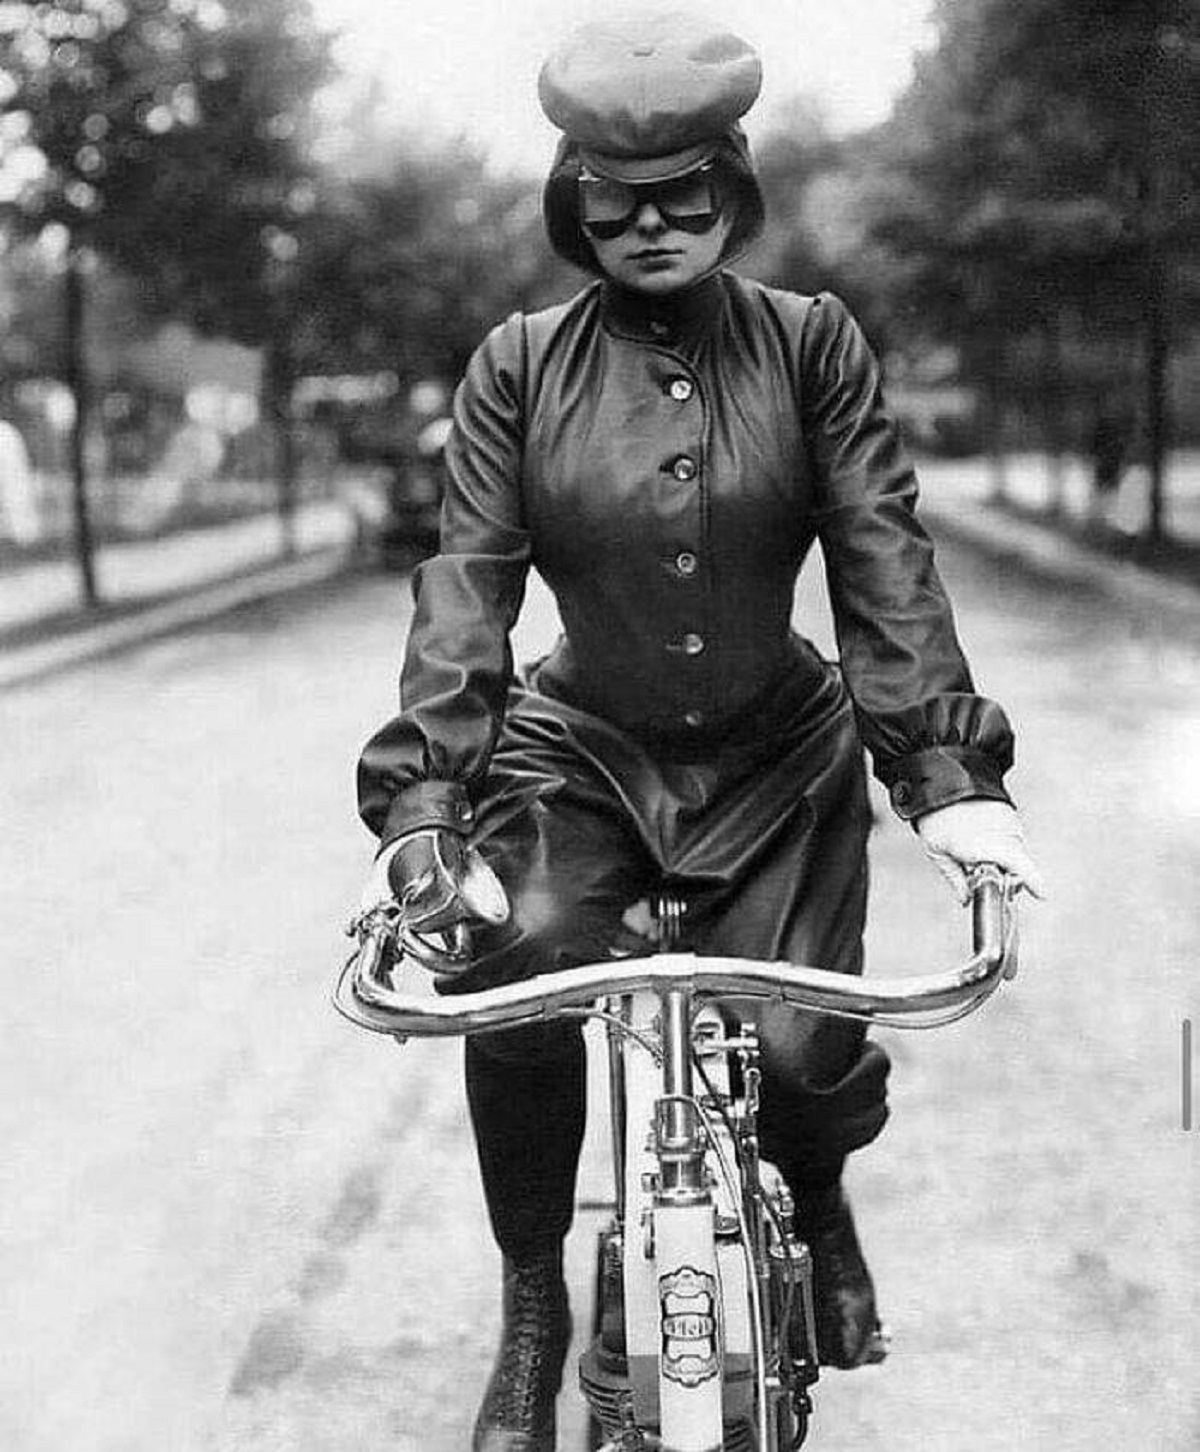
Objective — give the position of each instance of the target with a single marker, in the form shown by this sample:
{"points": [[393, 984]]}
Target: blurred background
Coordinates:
{"points": [[246, 248]]}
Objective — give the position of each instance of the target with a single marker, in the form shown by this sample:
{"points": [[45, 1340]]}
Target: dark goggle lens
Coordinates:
{"points": [[689, 203]]}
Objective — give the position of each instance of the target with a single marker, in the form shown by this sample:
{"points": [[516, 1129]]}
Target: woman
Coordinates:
{"points": [[664, 448]]}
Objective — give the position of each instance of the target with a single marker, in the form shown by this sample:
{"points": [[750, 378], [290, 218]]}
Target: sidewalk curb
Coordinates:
{"points": [[1049, 554], [32, 663]]}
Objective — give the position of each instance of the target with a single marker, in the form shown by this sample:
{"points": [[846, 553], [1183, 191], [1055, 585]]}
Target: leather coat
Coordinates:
{"points": [[666, 465]]}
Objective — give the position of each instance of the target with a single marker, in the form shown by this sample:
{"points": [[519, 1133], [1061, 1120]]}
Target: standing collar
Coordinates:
{"points": [[673, 320]]}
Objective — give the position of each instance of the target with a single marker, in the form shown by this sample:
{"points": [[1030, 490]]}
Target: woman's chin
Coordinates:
{"points": [[657, 281]]}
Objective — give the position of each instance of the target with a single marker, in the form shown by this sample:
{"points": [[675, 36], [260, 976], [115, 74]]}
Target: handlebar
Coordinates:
{"points": [[364, 995]]}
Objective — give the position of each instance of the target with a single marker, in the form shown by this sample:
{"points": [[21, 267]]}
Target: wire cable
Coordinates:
{"points": [[767, 1204]]}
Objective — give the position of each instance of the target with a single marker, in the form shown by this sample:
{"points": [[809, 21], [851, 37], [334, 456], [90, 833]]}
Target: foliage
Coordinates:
{"points": [[1037, 186], [414, 263], [819, 192], [172, 139], [1040, 172]]}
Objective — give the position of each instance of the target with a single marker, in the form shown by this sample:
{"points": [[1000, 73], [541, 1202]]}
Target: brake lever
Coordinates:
{"points": [[383, 918], [446, 954]]}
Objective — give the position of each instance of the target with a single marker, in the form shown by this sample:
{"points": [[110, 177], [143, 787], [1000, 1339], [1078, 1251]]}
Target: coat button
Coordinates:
{"points": [[693, 644], [659, 329], [686, 562], [694, 719], [681, 389], [684, 469]]}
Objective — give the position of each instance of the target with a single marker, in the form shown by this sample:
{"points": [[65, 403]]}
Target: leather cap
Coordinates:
{"points": [[649, 97]]}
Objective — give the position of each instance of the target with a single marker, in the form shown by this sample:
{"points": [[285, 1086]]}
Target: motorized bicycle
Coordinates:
{"points": [[704, 1330]]}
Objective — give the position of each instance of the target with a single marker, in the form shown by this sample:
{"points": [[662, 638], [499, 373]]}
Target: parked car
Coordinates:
{"points": [[402, 443]]}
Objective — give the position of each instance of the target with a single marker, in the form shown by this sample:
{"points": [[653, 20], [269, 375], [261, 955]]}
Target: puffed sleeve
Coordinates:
{"points": [[424, 767], [932, 739]]}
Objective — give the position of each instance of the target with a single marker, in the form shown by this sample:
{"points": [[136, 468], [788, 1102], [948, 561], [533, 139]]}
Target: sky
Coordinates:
{"points": [[471, 65]]}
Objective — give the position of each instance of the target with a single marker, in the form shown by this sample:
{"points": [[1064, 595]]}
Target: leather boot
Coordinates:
{"points": [[848, 1330], [518, 1407]]}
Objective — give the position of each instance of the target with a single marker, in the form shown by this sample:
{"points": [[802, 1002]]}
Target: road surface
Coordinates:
{"points": [[230, 1222]]}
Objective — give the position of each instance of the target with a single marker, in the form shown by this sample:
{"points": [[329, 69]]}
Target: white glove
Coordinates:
{"points": [[959, 836]]}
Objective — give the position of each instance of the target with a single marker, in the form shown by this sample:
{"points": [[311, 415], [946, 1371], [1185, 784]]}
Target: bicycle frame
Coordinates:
{"points": [[690, 1245], [699, 1299]]}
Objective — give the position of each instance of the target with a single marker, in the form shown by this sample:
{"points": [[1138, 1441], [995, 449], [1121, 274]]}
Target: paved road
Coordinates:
{"points": [[227, 1222]]}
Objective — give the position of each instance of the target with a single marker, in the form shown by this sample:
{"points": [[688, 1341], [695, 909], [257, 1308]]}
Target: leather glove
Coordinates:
{"points": [[443, 886], [958, 836]]}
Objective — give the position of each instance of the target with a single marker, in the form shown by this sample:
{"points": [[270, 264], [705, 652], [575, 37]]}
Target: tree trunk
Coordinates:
{"points": [[1052, 422], [994, 407], [1157, 423], [997, 461], [76, 378], [279, 384], [1153, 188]]}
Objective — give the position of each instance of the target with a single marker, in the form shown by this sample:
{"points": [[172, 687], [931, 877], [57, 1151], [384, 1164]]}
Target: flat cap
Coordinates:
{"points": [[646, 97]]}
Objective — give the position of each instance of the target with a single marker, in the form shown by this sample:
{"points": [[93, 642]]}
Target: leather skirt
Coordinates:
{"points": [[761, 832]]}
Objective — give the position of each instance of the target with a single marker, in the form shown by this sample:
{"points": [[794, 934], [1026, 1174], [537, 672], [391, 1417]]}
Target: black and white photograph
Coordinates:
{"points": [[600, 680]]}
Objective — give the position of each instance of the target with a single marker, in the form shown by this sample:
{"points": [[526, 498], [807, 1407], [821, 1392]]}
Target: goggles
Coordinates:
{"points": [[688, 203]]}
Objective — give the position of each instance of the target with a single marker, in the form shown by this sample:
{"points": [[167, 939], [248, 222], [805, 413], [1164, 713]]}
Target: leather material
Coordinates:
{"points": [[645, 93], [436, 804], [443, 887], [764, 838], [848, 1328], [667, 465], [518, 1412], [705, 813]]}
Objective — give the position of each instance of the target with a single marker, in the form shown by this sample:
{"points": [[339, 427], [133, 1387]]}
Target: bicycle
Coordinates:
{"points": [[703, 1337]]}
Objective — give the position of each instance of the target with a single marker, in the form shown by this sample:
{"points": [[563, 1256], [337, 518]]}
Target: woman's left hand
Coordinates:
{"points": [[965, 833]]}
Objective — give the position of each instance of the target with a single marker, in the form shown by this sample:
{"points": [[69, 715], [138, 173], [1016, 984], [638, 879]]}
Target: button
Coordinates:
{"points": [[658, 328], [693, 644], [686, 562], [694, 719], [684, 469], [681, 389]]}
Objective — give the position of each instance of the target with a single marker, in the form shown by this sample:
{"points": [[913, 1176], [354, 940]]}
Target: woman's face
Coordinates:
{"points": [[654, 256]]}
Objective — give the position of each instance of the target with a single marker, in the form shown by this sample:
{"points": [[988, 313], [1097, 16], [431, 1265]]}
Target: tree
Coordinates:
{"points": [[168, 136], [414, 262], [819, 191], [1041, 179]]}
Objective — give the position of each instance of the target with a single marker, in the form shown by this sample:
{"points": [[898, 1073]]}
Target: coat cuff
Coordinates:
{"points": [[428, 804], [940, 775]]}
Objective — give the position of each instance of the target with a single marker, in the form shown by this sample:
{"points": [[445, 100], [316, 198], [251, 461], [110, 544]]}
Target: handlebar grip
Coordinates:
{"points": [[991, 919], [371, 952]]}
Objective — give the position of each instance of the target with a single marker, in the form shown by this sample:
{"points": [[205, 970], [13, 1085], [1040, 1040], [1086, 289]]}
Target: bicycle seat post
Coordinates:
{"points": [[669, 911]]}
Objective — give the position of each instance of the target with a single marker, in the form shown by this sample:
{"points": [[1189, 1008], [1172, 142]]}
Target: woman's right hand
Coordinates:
{"points": [[377, 890], [443, 886]]}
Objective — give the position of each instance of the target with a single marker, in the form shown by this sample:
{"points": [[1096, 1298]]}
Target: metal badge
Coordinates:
{"points": [[687, 1298]]}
